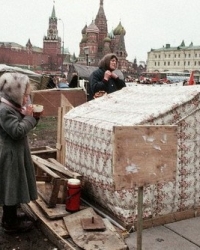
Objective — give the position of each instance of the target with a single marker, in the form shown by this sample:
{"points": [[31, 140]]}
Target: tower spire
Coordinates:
{"points": [[53, 14], [101, 3]]}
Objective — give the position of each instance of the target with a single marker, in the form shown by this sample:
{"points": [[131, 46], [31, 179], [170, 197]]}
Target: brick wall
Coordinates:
{"points": [[50, 99]]}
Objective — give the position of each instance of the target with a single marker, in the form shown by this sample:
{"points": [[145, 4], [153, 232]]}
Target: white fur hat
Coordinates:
{"points": [[14, 86]]}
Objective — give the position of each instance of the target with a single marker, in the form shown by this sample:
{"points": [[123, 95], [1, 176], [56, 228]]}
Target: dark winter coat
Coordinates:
{"points": [[17, 176], [97, 81]]}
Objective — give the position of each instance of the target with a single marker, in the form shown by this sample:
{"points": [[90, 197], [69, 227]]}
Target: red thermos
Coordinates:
{"points": [[73, 195]]}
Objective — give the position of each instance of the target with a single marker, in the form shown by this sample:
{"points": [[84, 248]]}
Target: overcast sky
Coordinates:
{"points": [[148, 23]]}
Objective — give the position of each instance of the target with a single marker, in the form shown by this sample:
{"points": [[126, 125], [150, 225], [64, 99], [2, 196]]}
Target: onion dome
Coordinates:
{"points": [[111, 34], [107, 39], [92, 28], [119, 30], [84, 39], [84, 30]]}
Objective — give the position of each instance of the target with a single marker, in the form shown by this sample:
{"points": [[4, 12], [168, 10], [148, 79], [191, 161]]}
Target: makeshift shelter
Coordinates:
{"points": [[38, 81], [84, 71], [90, 148]]}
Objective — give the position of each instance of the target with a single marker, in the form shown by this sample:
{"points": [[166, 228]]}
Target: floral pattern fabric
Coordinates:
{"points": [[89, 149]]}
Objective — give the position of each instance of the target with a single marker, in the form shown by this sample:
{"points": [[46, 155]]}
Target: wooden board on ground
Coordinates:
{"points": [[88, 240], [57, 226], [52, 213], [55, 230], [144, 155]]}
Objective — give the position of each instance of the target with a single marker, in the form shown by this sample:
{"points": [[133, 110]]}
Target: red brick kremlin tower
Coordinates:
{"points": [[52, 42], [47, 59]]}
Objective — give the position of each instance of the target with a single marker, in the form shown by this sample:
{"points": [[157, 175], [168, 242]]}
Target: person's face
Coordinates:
{"points": [[113, 64], [26, 97]]}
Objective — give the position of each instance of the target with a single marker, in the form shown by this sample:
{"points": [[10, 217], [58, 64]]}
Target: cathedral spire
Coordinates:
{"points": [[101, 3]]}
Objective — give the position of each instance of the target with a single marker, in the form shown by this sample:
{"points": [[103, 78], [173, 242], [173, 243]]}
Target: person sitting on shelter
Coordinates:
{"points": [[51, 83], [74, 81], [62, 83], [103, 79]]}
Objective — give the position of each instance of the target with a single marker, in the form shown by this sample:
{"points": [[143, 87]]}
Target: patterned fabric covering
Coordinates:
{"points": [[89, 149]]}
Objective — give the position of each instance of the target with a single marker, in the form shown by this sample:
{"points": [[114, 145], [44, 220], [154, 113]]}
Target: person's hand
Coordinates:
{"points": [[29, 110], [107, 75], [113, 75]]}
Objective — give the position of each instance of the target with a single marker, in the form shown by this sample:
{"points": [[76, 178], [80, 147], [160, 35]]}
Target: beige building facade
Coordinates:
{"points": [[181, 58]]}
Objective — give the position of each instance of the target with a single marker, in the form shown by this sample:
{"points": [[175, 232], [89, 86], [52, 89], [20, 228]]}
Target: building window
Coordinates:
{"points": [[195, 63], [168, 63], [178, 63], [175, 55], [188, 63], [195, 55], [189, 55], [158, 63], [155, 63], [164, 63], [174, 63]]}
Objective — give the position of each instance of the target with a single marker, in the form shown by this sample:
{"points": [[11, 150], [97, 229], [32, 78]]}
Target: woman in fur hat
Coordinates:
{"points": [[103, 79], [17, 176]]}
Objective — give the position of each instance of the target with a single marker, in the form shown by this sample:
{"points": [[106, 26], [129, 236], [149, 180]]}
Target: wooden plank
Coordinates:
{"points": [[59, 124], [56, 225], [44, 168], [65, 169], [106, 240], [141, 155], [50, 192], [44, 190], [65, 102], [54, 194], [43, 178], [66, 106], [60, 145], [52, 213], [55, 165], [65, 110]]}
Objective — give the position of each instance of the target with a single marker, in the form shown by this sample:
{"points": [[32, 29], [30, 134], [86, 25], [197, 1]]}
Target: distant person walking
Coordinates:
{"points": [[103, 79], [17, 176]]}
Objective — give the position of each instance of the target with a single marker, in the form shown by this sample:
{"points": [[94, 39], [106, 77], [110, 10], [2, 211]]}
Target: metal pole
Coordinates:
{"points": [[62, 46], [139, 218]]}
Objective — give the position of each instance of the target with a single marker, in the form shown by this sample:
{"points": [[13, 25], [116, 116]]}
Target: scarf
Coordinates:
{"points": [[22, 110]]}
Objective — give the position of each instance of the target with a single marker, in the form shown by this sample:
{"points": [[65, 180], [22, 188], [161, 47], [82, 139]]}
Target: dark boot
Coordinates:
{"points": [[11, 223]]}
